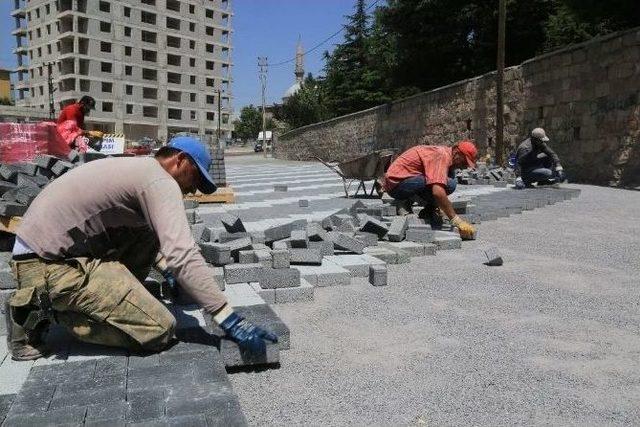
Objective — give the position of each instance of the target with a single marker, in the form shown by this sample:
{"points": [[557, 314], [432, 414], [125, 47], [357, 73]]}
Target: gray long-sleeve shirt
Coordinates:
{"points": [[527, 155], [86, 212]]}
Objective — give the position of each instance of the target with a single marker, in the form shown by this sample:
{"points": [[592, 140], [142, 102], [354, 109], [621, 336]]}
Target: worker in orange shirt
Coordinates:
{"points": [[424, 171]]}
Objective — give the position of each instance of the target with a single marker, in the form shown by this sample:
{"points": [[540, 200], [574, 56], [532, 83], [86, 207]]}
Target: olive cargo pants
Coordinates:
{"points": [[100, 302]]}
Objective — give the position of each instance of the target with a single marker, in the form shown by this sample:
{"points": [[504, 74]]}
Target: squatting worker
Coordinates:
{"points": [[424, 171], [536, 162], [71, 124], [83, 249]]}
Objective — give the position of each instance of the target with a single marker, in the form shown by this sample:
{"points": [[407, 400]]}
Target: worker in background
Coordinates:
{"points": [[71, 125], [426, 171], [80, 256], [536, 162]]}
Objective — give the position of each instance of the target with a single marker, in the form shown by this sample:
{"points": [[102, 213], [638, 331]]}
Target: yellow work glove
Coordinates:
{"points": [[95, 134], [466, 230]]}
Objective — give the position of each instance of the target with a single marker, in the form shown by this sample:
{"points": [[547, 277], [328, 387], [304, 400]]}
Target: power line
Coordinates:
{"points": [[277, 64]]}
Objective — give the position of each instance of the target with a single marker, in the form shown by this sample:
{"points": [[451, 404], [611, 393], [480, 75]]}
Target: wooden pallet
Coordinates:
{"points": [[222, 195], [10, 223]]}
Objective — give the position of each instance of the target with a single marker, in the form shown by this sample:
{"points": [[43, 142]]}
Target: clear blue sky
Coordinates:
{"points": [[261, 28]]}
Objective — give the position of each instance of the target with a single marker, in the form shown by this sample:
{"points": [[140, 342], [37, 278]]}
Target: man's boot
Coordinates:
{"points": [[23, 344], [432, 216], [404, 207]]}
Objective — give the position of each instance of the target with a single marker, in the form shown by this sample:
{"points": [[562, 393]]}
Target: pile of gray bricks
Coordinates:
{"points": [[484, 175], [217, 169]]}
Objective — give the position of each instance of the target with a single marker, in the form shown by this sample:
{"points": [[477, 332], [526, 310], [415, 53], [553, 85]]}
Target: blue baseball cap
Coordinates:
{"points": [[198, 153]]}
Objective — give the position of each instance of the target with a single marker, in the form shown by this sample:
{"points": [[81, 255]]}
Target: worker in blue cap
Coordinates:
{"points": [[80, 256]]}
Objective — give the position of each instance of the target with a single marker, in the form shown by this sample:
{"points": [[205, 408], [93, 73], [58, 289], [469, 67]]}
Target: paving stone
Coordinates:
{"points": [[12, 209], [33, 398], [372, 225], [224, 236], [268, 295], [303, 203], [257, 237], [305, 256], [242, 273], [369, 239], [199, 420], [374, 211], [327, 274], [65, 416], [358, 265], [111, 366], [190, 204], [402, 256], [346, 242], [238, 245], [299, 239], [264, 316], [58, 374], [353, 209], [101, 396], [378, 275], [45, 161], [420, 233], [280, 258], [316, 233], [325, 247], [264, 257], [232, 224], [200, 233], [145, 404], [398, 229], [281, 245], [493, 257], [430, 249], [216, 253], [382, 253], [114, 411], [241, 294], [301, 293], [279, 187], [412, 248], [235, 357], [247, 257], [7, 281], [273, 278], [445, 240], [278, 232]]}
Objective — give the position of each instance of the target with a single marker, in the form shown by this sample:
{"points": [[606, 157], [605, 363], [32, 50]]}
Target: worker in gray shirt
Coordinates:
{"points": [[88, 241], [536, 162]]}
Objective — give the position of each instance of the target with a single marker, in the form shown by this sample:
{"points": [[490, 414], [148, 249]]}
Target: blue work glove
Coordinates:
{"points": [[560, 175], [248, 336]]}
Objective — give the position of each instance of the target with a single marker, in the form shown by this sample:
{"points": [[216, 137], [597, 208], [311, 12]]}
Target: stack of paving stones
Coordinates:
{"points": [[484, 175], [217, 169]]}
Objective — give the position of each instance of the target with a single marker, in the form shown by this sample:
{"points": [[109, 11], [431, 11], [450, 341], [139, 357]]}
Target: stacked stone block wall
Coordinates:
{"points": [[586, 96]]}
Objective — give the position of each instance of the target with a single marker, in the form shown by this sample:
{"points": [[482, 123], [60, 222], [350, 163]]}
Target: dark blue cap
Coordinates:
{"points": [[198, 153]]}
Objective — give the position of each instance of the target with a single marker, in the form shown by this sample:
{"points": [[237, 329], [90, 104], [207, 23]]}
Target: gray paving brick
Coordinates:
{"points": [[305, 256], [264, 258], [303, 203], [235, 357], [242, 273], [378, 275], [12, 209], [412, 248], [247, 257], [232, 223], [280, 258], [382, 253], [280, 245], [268, 295], [430, 249], [114, 411], [346, 242], [191, 204], [225, 236], [238, 245], [145, 404], [280, 187], [445, 240], [299, 239], [66, 416], [216, 253], [200, 233], [369, 239], [33, 398], [278, 232], [493, 257], [358, 265], [301, 293], [325, 247], [315, 232], [272, 278], [420, 233], [58, 374], [327, 274], [110, 366], [103, 395], [398, 229], [375, 226], [45, 161]]}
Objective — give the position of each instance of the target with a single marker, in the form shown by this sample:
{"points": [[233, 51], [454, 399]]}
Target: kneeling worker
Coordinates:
{"points": [[536, 162], [90, 238], [424, 171]]}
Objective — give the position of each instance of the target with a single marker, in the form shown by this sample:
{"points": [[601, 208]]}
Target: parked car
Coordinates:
{"points": [[258, 147]]}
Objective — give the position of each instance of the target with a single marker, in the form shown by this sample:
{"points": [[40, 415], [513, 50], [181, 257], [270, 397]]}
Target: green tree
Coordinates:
{"points": [[250, 123], [306, 106], [352, 82]]}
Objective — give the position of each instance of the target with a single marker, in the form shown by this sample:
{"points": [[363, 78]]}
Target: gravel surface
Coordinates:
{"points": [[551, 337]]}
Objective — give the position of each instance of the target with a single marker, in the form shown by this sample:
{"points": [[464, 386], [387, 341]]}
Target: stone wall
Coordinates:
{"points": [[586, 96]]}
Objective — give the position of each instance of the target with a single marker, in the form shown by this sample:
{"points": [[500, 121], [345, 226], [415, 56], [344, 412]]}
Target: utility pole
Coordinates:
{"points": [[219, 117], [262, 67], [52, 108], [502, 17]]}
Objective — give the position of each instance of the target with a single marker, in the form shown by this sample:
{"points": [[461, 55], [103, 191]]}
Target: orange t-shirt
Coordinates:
{"points": [[432, 161]]}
